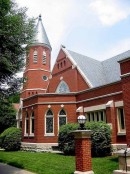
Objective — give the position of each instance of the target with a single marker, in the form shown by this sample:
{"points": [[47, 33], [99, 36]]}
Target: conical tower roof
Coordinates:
{"points": [[40, 36]]}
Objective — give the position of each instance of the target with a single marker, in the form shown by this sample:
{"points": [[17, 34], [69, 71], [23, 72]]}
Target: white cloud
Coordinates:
{"points": [[109, 12]]}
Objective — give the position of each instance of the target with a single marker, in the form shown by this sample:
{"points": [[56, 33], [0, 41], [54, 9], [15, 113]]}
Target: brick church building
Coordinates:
{"points": [[77, 84]]}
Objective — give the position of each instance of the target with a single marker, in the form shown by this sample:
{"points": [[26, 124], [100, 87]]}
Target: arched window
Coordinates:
{"points": [[49, 127], [62, 87], [26, 123], [35, 56], [32, 123], [62, 118], [44, 58]]}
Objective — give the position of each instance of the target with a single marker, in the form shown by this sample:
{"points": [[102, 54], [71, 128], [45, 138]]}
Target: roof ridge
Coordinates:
{"points": [[115, 56], [84, 55]]}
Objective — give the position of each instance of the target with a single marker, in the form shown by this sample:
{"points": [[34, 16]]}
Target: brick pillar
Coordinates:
{"points": [[83, 152]]}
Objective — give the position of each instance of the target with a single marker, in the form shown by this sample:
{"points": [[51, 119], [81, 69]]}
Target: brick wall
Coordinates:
{"points": [[125, 78]]}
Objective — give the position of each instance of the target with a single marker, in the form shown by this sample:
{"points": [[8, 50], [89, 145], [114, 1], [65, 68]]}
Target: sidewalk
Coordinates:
{"points": [[7, 169]]}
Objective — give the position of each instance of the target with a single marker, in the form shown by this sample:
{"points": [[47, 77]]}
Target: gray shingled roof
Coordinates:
{"points": [[40, 36], [97, 72]]}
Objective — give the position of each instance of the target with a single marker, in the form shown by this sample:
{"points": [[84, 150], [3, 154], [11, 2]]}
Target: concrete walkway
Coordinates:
{"points": [[7, 169]]}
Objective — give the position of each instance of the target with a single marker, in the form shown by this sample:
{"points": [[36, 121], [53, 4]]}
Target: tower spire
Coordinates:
{"points": [[40, 36]]}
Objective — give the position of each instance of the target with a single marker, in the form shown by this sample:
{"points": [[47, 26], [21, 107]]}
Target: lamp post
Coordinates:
{"points": [[81, 120]]}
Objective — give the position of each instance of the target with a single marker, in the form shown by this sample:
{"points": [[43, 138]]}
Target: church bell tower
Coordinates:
{"points": [[37, 71]]}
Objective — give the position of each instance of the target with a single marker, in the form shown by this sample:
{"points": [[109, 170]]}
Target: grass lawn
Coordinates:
{"points": [[48, 163]]}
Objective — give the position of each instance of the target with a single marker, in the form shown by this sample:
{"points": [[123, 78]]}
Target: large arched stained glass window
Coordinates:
{"points": [[62, 117], [49, 122], [62, 87]]}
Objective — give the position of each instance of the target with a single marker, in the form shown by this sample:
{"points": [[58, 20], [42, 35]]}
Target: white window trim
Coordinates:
{"points": [[25, 128], [95, 116], [120, 131], [119, 104], [59, 116], [52, 133], [35, 56], [31, 134], [95, 108], [44, 58]]}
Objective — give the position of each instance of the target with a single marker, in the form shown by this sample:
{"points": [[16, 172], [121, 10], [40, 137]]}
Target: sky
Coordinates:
{"points": [[96, 28]]}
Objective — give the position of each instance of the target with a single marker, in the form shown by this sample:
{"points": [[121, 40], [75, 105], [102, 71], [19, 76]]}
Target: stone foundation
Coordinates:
{"points": [[120, 172], [40, 147]]}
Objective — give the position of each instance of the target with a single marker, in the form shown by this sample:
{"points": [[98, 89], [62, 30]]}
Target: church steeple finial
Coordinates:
{"points": [[40, 17], [40, 36]]}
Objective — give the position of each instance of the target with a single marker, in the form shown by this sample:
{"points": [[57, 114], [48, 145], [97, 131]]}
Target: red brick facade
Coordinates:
{"points": [[40, 95]]}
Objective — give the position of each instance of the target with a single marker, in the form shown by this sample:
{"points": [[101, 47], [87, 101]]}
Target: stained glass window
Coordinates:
{"points": [[26, 123], [49, 122], [32, 124], [62, 87], [62, 118]]}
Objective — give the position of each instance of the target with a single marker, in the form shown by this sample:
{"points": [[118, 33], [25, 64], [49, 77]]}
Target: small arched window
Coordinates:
{"points": [[44, 58], [62, 118], [35, 56], [32, 123], [49, 128], [64, 63], [26, 123]]}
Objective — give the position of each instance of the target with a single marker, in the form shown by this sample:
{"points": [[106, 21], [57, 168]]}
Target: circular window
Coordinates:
{"points": [[45, 78]]}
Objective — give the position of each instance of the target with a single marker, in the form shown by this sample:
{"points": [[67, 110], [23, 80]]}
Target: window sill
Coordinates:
{"points": [[26, 135], [49, 135], [121, 133], [31, 135]]}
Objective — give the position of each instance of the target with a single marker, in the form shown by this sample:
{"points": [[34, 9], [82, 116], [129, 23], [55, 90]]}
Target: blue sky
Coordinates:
{"points": [[96, 28]]}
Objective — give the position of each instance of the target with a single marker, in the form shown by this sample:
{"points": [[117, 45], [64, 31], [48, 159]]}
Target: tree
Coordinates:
{"points": [[7, 115], [16, 29]]}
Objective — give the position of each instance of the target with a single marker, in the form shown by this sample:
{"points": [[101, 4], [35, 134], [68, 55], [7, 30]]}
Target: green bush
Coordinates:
{"points": [[101, 139], [66, 140], [10, 139]]}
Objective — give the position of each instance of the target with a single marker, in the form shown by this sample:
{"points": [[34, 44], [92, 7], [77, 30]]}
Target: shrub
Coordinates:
{"points": [[66, 140], [101, 139], [10, 139]]}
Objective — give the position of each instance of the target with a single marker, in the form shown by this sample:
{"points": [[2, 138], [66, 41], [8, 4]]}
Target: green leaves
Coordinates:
{"points": [[16, 29]]}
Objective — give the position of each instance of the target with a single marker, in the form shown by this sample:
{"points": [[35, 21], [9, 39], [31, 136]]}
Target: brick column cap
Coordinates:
{"points": [[82, 133]]}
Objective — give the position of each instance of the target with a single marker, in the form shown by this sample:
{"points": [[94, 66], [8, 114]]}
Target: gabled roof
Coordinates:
{"points": [[97, 73], [111, 67], [40, 36], [91, 68]]}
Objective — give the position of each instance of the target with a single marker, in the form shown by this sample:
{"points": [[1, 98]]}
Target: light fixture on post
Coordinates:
{"points": [[82, 120]]}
